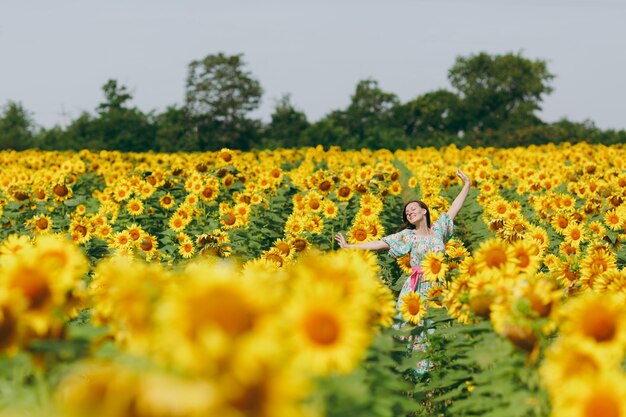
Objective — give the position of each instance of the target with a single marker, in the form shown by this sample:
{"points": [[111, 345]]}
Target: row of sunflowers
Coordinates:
{"points": [[187, 284]]}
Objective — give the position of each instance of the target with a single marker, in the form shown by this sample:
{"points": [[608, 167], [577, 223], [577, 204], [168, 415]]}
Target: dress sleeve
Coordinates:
{"points": [[444, 226], [399, 243]]}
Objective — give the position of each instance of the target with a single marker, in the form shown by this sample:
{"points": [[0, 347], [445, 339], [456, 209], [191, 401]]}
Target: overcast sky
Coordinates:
{"points": [[56, 55]]}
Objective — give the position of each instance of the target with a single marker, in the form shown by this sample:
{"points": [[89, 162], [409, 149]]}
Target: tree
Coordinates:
{"points": [[369, 108], [501, 91], [219, 95], [120, 127], [435, 112], [116, 97], [17, 129], [287, 125], [173, 131]]}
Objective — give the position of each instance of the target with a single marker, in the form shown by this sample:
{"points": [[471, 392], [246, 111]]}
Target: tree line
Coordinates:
{"points": [[494, 101]]}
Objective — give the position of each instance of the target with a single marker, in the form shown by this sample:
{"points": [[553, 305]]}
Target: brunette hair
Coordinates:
{"points": [[405, 221]]}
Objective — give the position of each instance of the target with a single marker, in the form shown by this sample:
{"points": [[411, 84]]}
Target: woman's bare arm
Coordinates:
{"points": [[460, 199], [374, 245]]}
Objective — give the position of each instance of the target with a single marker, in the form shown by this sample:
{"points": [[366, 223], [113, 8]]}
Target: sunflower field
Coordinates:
{"points": [[210, 284]]}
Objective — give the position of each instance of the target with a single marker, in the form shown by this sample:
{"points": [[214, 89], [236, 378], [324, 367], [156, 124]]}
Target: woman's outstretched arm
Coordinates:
{"points": [[460, 199], [374, 245]]}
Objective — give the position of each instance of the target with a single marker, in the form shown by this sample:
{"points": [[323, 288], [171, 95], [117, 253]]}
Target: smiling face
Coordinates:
{"points": [[415, 213]]}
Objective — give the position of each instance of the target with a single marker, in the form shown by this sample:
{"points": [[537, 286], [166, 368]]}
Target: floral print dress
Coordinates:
{"points": [[406, 241]]}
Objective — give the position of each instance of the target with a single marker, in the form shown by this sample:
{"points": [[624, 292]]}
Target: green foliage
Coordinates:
{"points": [[479, 373], [380, 386], [286, 126], [219, 95], [494, 103], [17, 130], [501, 91]]}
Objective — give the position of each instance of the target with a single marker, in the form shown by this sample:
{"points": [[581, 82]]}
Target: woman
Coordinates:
{"points": [[417, 237]]}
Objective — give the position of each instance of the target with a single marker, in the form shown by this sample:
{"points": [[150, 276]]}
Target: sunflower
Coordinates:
{"points": [[283, 247], [61, 192], [313, 201], [412, 183], [191, 200], [604, 397], [496, 254], [395, 188], [567, 360], [596, 261], [135, 232], [526, 256], [599, 319], [613, 220], [79, 229], [574, 234], [404, 262], [148, 244], [434, 267], [344, 193], [121, 193], [134, 207], [468, 267], [120, 240], [300, 244], [103, 232], [326, 334], [387, 306], [177, 223], [210, 191], [413, 308], [612, 281], [186, 248], [597, 228], [294, 224], [274, 255], [539, 236], [329, 209], [560, 222], [359, 233], [325, 186], [40, 224]]}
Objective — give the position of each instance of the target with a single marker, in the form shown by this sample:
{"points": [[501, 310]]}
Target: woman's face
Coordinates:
{"points": [[415, 213]]}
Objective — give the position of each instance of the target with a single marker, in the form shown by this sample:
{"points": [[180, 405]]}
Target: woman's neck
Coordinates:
{"points": [[422, 228]]}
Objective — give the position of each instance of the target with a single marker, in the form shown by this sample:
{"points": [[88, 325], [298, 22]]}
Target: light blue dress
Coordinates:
{"points": [[406, 241]]}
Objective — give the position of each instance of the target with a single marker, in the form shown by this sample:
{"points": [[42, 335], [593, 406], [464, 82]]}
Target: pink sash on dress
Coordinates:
{"points": [[417, 274]]}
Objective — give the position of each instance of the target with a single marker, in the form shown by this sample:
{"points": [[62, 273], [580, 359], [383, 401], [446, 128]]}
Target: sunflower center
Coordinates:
{"points": [[34, 287], [146, 244], [603, 404], [600, 324], [60, 190], [299, 245], [360, 235], [325, 186], [229, 219], [226, 310], [322, 328], [42, 223], [283, 248], [495, 257], [575, 235], [344, 191], [413, 306], [435, 266]]}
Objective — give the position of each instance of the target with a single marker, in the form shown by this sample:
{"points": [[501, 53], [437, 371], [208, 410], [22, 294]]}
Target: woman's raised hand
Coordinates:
{"points": [[341, 240], [462, 176]]}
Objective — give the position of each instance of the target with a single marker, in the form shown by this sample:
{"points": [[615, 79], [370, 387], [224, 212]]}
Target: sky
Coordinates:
{"points": [[55, 56]]}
